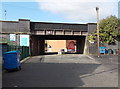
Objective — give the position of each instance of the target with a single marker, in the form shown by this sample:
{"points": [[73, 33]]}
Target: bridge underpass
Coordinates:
{"points": [[40, 32], [37, 43]]}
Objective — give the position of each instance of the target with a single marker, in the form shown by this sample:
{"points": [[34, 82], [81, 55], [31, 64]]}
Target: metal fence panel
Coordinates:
{"points": [[23, 49]]}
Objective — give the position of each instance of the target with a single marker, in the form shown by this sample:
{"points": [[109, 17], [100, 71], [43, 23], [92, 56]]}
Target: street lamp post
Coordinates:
{"points": [[98, 34]]}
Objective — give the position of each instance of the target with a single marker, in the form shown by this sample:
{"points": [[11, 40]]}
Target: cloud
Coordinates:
{"points": [[80, 10], [18, 0]]}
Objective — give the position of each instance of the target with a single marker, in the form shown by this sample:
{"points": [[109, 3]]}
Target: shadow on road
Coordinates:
{"points": [[48, 75]]}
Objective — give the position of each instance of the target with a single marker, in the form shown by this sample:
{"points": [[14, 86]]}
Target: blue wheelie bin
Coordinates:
{"points": [[11, 60], [102, 50], [114, 51], [110, 51]]}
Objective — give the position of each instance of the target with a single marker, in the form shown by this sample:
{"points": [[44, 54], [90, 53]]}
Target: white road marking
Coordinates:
{"points": [[90, 57]]}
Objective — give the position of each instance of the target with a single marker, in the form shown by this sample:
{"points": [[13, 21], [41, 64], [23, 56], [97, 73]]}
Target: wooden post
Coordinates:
{"points": [[98, 34]]}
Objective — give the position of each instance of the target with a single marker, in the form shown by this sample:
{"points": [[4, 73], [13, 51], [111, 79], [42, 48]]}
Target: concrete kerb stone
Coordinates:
{"points": [[25, 59]]}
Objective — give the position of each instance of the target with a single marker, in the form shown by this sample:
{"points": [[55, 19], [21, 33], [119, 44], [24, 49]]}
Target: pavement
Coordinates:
{"points": [[0, 71], [69, 70], [107, 60]]}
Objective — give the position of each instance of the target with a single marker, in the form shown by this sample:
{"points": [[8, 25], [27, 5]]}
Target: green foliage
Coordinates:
{"points": [[118, 27], [109, 29], [4, 40], [91, 38]]}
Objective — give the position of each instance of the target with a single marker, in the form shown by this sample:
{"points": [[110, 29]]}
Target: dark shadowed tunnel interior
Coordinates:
{"points": [[37, 42]]}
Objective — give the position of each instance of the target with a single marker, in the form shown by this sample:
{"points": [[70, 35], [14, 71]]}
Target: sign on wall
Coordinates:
{"points": [[24, 40], [12, 37]]}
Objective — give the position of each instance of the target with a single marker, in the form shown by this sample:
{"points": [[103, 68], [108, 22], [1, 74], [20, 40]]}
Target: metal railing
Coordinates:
{"points": [[23, 49]]}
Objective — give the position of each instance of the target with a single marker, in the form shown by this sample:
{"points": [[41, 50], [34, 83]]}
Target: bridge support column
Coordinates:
{"points": [[37, 46], [80, 45]]}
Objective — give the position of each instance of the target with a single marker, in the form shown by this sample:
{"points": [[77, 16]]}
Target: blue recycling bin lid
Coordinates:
{"points": [[102, 47], [9, 52]]}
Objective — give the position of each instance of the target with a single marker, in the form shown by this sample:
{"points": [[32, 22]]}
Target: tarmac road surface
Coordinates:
{"points": [[70, 70]]}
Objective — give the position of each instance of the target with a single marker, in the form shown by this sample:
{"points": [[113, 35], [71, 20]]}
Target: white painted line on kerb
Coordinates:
{"points": [[90, 57], [25, 59]]}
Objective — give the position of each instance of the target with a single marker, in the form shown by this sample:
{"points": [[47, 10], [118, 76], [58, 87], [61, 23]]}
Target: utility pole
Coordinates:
{"points": [[5, 14], [98, 33]]}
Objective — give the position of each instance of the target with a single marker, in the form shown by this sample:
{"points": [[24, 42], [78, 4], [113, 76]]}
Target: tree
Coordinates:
{"points": [[118, 28], [109, 29]]}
